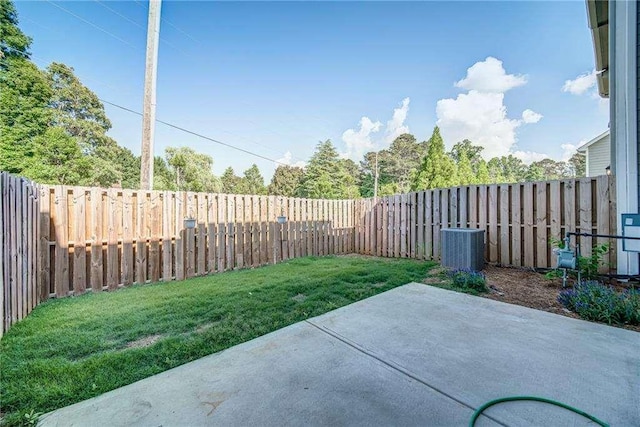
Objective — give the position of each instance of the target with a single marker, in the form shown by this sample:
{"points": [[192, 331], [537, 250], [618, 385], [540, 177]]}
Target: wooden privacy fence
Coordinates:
{"points": [[101, 239], [60, 241], [18, 249], [520, 220]]}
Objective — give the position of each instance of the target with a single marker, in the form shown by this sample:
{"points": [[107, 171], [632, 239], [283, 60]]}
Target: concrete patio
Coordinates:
{"points": [[415, 355]]}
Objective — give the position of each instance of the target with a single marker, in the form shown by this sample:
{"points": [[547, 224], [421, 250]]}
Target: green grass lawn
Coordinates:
{"points": [[72, 349]]}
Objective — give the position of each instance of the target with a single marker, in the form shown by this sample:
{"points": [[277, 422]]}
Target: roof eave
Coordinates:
{"points": [[598, 17]]}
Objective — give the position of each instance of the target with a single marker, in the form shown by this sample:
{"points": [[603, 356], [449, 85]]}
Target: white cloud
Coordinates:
{"points": [[489, 76], [580, 84], [480, 114], [359, 142], [530, 116], [529, 157], [481, 118], [288, 158], [396, 126], [569, 150]]}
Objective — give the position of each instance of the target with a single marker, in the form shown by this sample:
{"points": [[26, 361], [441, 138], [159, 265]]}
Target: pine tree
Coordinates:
{"points": [[437, 169], [253, 181], [231, 184], [483, 173], [286, 181], [327, 176], [465, 171]]}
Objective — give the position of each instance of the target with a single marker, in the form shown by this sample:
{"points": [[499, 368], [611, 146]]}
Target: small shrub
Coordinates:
{"points": [[592, 300], [469, 279], [587, 266]]}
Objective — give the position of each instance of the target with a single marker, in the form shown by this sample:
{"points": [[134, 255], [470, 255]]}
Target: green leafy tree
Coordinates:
{"points": [[253, 181], [483, 173], [13, 42], [192, 170], [24, 95], [163, 176], [507, 169], [75, 108], [327, 176], [466, 149], [437, 170], [231, 183], [57, 159], [465, 174], [24, 98], [535, 173], [552, 169], [286, 181], [401, 160], [577, 165]]}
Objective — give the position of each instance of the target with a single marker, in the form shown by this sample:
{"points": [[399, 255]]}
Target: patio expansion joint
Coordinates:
{"points": [[404, 371]]}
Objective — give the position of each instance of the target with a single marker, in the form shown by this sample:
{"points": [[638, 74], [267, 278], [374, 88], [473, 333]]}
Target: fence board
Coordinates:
{"points": [[542, 243], [504, 248], [585, 203], [167, 244], [112, 240], [127, 238], [555, 218], [492, 206], [79, 242], [516, 225]]}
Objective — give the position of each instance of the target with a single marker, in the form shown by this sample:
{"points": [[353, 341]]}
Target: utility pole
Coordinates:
{"points": [[149, 107], [375, 181]]}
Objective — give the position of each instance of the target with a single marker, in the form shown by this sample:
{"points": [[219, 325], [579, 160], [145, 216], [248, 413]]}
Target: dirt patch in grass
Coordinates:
{"points": [[145, 341], [299, 298]]}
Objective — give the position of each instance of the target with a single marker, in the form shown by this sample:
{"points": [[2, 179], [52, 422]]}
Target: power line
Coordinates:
{"points": [[120, 14], [91, 23], [199, 135], [143, 27], [169, 23]]}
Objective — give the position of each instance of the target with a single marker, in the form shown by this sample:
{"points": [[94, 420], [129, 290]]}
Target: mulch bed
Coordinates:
{"points": [[530, 289]]}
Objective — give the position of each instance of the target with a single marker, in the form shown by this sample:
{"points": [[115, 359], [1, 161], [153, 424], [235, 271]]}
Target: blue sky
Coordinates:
{"points": [[277, 77]]}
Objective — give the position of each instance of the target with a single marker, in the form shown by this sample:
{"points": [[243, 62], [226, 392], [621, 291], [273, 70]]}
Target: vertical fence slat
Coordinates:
{"points": [[504, 248], [127, 238], [112, 240], [492, 206], [542, 245], [516, 225], [586, 225], [555, 217], [167, 244], [529, 246], [603, 220], [79, 242]]}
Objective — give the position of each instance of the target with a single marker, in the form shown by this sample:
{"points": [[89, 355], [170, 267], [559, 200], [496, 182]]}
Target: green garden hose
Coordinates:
{"points": [[481, 409]]}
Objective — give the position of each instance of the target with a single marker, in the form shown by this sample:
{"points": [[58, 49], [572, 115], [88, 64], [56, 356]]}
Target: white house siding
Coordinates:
{"points": [[599, 156]]}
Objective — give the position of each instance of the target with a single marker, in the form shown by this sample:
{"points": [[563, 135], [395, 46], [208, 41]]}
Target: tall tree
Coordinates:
{"points": [[465, 148], [253, 181], [192, 170], [24, 95], [551, 169], [465, 174], [507, 169], [483, 173], [57, 159], [231, 183], [13, 42], [326, 176], [163, 177], [401, 160], [578, 165], [437, 169], [286, 181]]}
